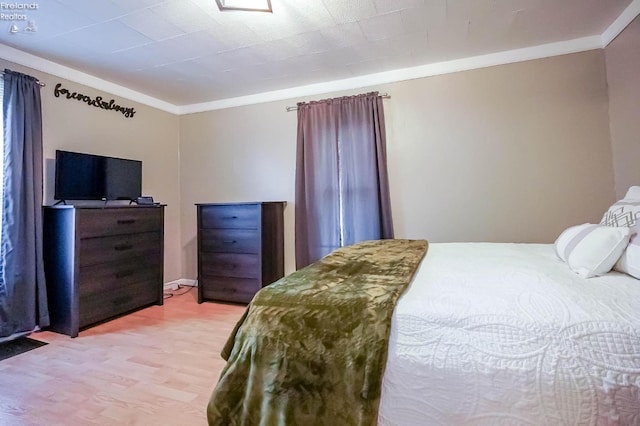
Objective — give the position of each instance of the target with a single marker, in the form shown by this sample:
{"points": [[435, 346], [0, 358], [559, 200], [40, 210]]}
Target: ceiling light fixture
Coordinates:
{"points": [[245, 5]]}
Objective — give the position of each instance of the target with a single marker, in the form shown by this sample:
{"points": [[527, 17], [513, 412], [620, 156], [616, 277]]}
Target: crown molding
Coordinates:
{"points": [[429, 70], [32, 61], [465, 64], [625, 18]]}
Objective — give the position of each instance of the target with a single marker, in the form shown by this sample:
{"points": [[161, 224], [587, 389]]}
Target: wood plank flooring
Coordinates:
{"points": [[156, 366]]}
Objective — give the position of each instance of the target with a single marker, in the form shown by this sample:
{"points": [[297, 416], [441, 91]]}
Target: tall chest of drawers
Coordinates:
{"points": [[101, 262], [240, 249]]}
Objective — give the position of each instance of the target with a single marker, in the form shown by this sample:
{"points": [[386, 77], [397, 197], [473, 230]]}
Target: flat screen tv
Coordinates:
{"points": [[94, 177]]}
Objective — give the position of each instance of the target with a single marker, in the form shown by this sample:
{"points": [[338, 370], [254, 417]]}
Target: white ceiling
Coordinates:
{"points": [[187, 52]]}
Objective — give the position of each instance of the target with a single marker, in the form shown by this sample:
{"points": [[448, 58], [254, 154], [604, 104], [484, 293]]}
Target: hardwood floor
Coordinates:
{"points": [[156, 366]]}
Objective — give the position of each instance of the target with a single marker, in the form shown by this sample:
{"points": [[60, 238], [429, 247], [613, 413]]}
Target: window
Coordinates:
{"points": [[342, 190]]}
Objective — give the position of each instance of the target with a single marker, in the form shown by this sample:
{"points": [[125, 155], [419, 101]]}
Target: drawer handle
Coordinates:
{"points": [[126, 221], [123, 274], [230, 217], [229, 241], [123, 247]]}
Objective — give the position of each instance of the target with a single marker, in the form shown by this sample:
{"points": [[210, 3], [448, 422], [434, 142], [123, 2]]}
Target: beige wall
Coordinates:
{"points": [[510, 153], [236, 154], [623, 75], [150, 135], [514, 153]]}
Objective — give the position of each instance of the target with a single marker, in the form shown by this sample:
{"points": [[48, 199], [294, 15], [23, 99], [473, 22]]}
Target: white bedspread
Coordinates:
{"points": [[506, 334]]}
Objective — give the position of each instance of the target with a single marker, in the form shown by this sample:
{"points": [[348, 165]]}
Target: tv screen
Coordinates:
{"points": [[94, 177]]}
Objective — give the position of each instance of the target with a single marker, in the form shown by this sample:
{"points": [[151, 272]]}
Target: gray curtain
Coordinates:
{"points": [[342, 189], [23, 298]]}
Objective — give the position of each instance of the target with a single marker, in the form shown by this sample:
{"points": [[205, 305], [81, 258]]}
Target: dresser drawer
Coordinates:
{"points": [[240, 248], [100, 306], [100, 263], [230, 265], [240, 290], [119, 248], [229, 241], [232, 216], [102, 222], [115, 276]]}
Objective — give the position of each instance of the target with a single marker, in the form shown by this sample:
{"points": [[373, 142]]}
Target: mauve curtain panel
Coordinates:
{"points": [[342, 187], [23, 297]]}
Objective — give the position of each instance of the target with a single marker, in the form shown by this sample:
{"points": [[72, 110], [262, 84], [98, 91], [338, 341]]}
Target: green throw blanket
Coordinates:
{"points": [[312, 347]]}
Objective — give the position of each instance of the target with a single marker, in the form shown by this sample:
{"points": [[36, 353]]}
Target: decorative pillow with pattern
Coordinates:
{"points": [[626, 213], [591, 250]]}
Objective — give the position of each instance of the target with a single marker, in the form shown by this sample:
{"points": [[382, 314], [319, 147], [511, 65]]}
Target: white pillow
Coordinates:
{"points": [[629, 262], [626, 213], [591, 250], [633, 193]]}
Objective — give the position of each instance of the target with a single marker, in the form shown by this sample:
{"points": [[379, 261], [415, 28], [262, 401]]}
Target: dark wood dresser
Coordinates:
{"points": [[101, 262], [240, 249]]}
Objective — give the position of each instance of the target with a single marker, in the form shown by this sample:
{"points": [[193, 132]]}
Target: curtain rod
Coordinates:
{"points": [[295, 108], [41, 84]]}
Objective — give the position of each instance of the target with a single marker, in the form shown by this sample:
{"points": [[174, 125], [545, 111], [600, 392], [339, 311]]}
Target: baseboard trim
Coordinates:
{"points": [[173, 285]]}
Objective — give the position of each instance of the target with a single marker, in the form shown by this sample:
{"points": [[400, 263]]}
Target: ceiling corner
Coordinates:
{"points": [[40, 64], [625, 18]]}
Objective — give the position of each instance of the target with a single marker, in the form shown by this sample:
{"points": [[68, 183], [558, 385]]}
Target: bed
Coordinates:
{"points": [[492, 334]]}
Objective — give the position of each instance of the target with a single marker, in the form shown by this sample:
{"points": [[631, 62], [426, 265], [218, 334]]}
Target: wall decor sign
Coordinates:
{"points": [[97, 102]]}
